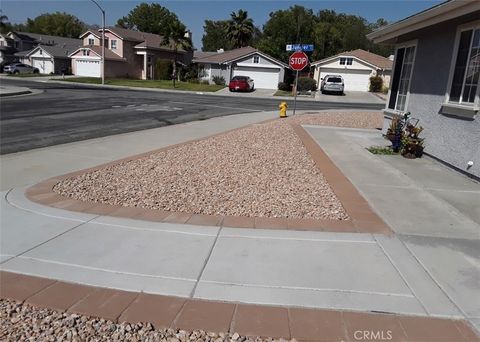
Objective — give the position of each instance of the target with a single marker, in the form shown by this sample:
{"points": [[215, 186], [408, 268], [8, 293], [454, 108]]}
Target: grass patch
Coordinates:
{"points": [[283, 93], [29, 75], [384, 150], [160, 84]]}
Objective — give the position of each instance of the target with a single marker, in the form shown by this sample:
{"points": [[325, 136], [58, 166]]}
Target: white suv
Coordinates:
{"points": [[332, 84]]}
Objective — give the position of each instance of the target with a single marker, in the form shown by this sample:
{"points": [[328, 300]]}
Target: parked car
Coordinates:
{"points": [[241, 83], [19, 68], [332, 84]]}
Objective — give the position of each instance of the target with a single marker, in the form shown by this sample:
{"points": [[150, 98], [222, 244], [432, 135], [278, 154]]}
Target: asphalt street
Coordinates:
{"points": [[63, 113]]}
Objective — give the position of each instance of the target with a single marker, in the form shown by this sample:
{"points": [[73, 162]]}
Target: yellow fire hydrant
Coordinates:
{"points": [[283, 109]]}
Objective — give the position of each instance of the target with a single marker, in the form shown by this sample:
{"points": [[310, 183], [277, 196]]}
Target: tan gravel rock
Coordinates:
{"points": [[262, 170], [35, 324]]}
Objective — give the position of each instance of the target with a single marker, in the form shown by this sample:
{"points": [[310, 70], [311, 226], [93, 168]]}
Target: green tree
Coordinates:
{"points": [[5, 26], [294, 25], [151, 18], [380, 49], [215, 36], [240, 29], [175, 37], [56, 24]]}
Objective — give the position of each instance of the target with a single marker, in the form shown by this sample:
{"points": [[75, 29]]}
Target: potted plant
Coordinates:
{"points": [[412, 144]]}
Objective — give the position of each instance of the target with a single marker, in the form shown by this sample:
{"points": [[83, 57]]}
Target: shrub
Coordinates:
{"points": [[385, 89], [284, 86], [306, 84], [376, 84], [189, 73], [163, 69], [218, 80]]}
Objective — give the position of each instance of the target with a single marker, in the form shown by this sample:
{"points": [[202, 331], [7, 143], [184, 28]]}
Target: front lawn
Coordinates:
{"points": [[283, 93], [29, 75], [162, 84]]}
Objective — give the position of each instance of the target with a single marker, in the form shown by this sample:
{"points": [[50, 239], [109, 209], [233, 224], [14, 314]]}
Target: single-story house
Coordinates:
{"points": [[50, 58], [436, 77], [19, 46], [128, 53], [265, 70], [356, 67]]}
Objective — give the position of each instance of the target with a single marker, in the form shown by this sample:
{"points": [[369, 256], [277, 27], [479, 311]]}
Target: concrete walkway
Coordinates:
{"points": [[430, 267]]}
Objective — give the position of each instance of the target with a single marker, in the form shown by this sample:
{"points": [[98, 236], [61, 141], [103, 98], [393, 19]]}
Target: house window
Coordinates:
{"points": [[401, 78], [466, 71], [349, 61], [91, 41], [86, 52], [40, 52], [256, 59], [113, 44], [342, 60]]}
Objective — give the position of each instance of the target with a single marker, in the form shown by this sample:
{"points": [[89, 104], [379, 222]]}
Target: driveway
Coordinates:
{"points": [[255, 93], [350, 97]]}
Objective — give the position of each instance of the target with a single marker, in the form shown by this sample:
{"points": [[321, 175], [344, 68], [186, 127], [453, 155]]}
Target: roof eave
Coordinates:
{"points": [[437, 14]]}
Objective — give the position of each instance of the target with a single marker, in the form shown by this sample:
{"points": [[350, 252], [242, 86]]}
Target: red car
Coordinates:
{"points": [[241, 83]]}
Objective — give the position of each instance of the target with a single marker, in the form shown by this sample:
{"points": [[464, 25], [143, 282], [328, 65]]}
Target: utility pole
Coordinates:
{"points": [[103, 40]]}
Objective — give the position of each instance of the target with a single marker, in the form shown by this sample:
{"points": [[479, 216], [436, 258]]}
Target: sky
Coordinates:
{"points": [[193, 13]]}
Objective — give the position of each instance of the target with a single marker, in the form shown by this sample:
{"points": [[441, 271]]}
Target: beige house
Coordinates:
{"points": [[356, 67], [128, 53]]}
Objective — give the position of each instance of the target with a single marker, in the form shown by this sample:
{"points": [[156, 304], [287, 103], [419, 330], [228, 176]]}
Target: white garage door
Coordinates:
{"points": [[45, 66], [87, 67], [262, 77], [355, 80]]}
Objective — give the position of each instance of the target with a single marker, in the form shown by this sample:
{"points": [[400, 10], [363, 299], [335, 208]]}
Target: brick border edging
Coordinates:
{"points": [[216, 316], [362, 218]]}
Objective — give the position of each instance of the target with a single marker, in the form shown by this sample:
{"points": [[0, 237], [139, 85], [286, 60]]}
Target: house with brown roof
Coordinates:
{"points": [[128, 53], [265, 70], [356, 67], [49, 54]]}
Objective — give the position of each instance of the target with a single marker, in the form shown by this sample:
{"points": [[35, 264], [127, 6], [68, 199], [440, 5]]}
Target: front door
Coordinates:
{"points": [[149, 68]]}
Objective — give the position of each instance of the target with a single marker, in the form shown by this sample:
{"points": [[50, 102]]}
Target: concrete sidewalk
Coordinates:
{"points": [[430, 267]]}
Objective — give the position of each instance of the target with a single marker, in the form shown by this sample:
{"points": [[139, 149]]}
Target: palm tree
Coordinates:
{"points": [[3, 22], [240, 28], [176, 37]]}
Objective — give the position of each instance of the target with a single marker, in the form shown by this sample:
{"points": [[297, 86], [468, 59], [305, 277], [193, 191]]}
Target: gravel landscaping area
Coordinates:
{"points": [[341, 119], [262, 170], [23, 322]]}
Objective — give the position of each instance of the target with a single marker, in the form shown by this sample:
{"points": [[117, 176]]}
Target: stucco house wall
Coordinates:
{"points": [[262, 61], [97, 41], [451, 139], [120, 50], [356, 65]]}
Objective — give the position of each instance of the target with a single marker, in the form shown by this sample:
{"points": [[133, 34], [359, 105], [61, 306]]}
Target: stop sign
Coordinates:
{"points": [[298, 60]]}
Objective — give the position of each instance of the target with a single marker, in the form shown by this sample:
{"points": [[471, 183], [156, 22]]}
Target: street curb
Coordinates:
{"points": [[25, 92], [238, 95]]}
